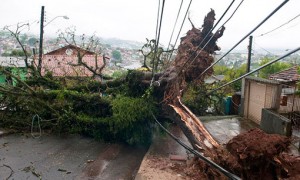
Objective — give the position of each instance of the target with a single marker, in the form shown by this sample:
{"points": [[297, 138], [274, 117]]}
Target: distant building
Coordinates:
{"points": [[289, 78], [64, 62], [14, 65]]}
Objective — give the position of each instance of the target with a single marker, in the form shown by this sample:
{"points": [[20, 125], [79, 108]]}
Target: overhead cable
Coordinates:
{"points": [[263, 48], [233, 13], [261, 67], [157, 19], [187, 10], [158, 36], [261, 23], [280, 26], [175, 24]]}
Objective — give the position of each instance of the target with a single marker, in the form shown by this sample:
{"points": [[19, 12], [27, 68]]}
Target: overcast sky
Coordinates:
{"points": [[136, 19]]}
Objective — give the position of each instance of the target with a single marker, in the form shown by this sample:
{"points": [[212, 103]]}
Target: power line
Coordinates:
{"points": [[234, 12], [187, 10], [270, 15], [280, 26], [263, 48], [203, 158], [247, 74], [157, 20], [175, 24], [158, 36]]}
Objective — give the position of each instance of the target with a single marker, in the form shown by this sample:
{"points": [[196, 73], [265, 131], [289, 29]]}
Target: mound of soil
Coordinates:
{"points": [[260, 155], [290, 165], [255, 144]]}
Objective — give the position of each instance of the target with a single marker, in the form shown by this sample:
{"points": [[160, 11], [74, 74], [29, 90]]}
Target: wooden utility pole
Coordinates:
{"points": [[249, 53], [41, 41]]}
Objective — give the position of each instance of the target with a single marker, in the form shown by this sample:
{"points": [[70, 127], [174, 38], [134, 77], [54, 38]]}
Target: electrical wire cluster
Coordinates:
{"points": [[212, 29]]}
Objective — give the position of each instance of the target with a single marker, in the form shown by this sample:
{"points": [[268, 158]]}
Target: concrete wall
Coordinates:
{"points": [[273, 123]]}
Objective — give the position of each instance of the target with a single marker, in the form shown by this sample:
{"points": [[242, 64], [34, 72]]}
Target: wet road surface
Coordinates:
{"points": [[224, 129], [70, 157]]}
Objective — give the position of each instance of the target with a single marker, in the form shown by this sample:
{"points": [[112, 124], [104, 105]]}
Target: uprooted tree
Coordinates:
{"points": [[246, 155], [124, 114], [253, 155]]}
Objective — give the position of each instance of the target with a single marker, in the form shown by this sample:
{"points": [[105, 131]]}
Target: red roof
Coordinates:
{"points": [[62, 50], [290, 74]]}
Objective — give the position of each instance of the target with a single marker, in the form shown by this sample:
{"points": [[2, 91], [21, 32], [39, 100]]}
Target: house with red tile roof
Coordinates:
{"points": [[71, 61], [290, 102], [290, 75]]}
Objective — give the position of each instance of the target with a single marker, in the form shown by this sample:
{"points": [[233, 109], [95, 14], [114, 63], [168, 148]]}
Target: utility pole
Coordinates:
{"points": [[41, 41], [249, 53]]}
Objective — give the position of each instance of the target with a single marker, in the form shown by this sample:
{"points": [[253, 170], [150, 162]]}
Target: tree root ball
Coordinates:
{"points": [[258, 154]]}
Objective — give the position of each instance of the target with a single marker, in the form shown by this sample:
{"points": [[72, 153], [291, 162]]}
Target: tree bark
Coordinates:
{"points": [[192, 59]]}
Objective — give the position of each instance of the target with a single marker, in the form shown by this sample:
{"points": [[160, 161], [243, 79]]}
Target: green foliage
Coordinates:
{"points": [[114, 111], [46, 82], [32, 41], [231, 74], [121, 118], [135, 86], [132, 119], [119, 74], [156, 59], [23, 38], [273, 68], [6, 54], [116, 55], [198, 101], [127, 110], [19, 53]]}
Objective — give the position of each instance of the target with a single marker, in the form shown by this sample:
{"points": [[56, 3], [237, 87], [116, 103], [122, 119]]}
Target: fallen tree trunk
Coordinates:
{"points": [[192, 59]]}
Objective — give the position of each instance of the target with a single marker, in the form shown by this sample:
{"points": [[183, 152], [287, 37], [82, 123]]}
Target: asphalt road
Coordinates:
{"points": [[70, 157]]}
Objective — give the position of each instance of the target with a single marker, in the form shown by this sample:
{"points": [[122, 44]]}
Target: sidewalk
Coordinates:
{"points": [[166, 159]]}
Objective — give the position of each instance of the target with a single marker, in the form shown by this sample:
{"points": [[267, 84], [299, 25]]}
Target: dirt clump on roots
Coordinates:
{"points": [[291, 165], [251, 155], [261, 155]]}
